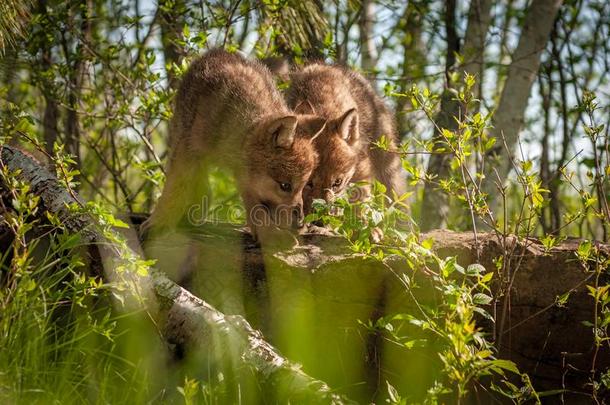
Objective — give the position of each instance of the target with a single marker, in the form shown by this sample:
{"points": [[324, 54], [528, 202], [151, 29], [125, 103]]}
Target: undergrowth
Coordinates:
{"points": [[65, 336]]}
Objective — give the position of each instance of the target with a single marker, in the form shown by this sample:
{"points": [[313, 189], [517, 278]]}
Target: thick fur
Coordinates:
{"points": [[229, 113], [330, 92]]}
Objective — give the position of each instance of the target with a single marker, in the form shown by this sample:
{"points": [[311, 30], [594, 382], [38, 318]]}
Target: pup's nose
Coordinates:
{"points": [[319, 223]]}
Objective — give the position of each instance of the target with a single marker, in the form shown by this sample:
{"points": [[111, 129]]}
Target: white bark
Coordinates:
{"points": [[510, 112], [367, 44], [473, 51]]}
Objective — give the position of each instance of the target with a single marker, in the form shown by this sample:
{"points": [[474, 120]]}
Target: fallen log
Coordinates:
{"points": [[278, 292]]}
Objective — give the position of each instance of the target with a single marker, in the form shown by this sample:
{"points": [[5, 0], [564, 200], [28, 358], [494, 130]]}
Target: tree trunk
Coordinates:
{"points": [[366, 25], [301, 29], [508, 118], [76, 76], [171, 20], [51, 110], [473, 51], [414, 59]]}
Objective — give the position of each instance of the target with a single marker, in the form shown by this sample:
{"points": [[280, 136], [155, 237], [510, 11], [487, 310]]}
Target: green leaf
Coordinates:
{"points": [[487, 277], [376, 217], [427, 243], [29, 284], [506, 365], [484, 313], [562, 299], [394, 397], [588, 162], [584, 250], [118, 223], [490, 144], [481, 299], [475, 269]]}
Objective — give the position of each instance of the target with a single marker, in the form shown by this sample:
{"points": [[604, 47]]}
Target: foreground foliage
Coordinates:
{"points": [[87, 88]]}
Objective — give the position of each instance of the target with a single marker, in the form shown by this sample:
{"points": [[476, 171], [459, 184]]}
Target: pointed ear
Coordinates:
{"points": [[282, 131], [305, 108], [348, 126]]}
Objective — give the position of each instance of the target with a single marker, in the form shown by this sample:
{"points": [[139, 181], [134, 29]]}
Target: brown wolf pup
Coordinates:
{"points": [[356, 117], [228, 113]]}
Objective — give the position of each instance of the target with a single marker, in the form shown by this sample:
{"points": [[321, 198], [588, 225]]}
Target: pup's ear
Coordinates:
{"points": [[282, 131], [304, 107], [348, 126]]}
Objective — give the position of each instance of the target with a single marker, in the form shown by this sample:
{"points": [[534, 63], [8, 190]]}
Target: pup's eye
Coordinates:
{"points": [[309, 184], [286, 187], [337, 183]]}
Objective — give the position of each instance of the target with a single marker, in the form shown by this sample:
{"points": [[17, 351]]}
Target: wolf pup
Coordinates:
{"points": [[229, 113], [356, 117]]}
